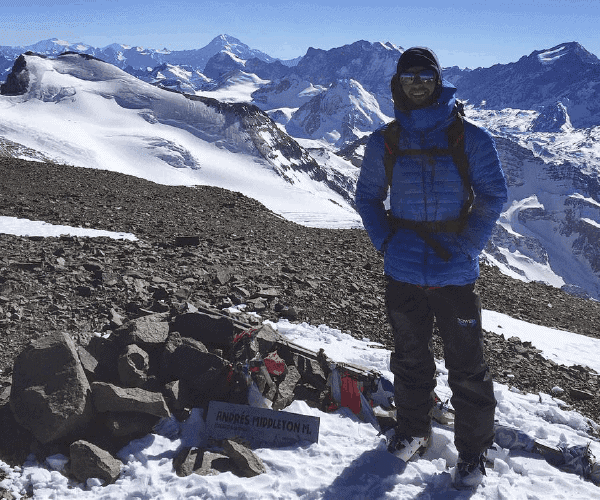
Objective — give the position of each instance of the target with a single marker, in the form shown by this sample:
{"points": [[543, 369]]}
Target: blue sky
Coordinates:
{"points": [[463, 33]]}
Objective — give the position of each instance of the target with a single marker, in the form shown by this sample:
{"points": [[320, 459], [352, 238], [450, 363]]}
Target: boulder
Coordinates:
{"points": [[248, 463], [202, 462], [212, 378], [187, 460], [212, 330], [15, 441], [310, 370], [50, 394], [188, 359], [176, 396], [285, 391], [249, 343], [130, 424], [133, 366], [89, 461], [144, 332], [99, 359], [109, 397]]}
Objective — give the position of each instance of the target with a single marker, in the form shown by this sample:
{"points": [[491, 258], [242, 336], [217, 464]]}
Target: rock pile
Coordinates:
{"points": [[94, 398]]}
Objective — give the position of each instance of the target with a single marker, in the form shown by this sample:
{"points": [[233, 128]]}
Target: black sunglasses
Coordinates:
{"points": [[426, 76]]}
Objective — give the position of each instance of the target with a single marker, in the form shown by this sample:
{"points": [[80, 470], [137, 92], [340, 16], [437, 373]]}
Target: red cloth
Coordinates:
{"points": [[350, 394], [275, 365]]}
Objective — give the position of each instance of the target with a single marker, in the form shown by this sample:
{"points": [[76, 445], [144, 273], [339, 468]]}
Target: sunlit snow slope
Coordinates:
{"points": [[88, 113]]}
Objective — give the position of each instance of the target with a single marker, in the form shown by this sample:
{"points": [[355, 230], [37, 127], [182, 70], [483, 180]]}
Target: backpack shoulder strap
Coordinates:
{"points": [[391, 136], [456, 144]]}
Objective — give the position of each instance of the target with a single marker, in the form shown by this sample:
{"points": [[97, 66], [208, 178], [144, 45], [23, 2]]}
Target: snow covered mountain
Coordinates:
{"points": [[550, 230], [566, 73], [548, 138], [343, 113], [79, 110]]}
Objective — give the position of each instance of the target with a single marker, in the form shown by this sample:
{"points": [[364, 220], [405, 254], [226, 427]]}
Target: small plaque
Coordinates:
{"points": [[260, 426]]}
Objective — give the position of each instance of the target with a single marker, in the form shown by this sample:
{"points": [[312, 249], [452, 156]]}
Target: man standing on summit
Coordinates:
{"points": [[446, 191]]}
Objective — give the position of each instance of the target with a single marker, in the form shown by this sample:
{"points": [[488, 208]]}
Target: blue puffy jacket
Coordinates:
{"points": [[431, 190]]}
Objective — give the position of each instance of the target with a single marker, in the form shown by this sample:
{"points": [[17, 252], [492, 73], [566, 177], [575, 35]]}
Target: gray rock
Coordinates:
{"points": [[185, 241], [213, 330], [581, 394], [254, 341], [88, 362], [214, 463], [210, 379], [186, 461], [130, 424], [202, 462], [266, 337], [109, 397], [90, 461], [247, 462], [133, 366], [144, 332], [103, 362], [50, 394], [176, 396], [185, 358], [310, 370], [285, 391]]}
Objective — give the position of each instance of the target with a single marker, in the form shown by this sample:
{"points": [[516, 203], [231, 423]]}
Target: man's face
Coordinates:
{"points": [[418, 91]]}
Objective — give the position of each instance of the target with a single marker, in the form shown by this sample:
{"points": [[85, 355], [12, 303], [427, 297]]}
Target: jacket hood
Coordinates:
{"points": [[433, 116]]}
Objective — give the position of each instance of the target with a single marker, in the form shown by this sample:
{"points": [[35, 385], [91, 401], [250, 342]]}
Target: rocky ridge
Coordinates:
{"points": [[208, 245]]}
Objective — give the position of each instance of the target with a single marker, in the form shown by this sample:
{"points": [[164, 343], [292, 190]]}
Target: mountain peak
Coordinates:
{"points": [[226, 41], [568, 50]]}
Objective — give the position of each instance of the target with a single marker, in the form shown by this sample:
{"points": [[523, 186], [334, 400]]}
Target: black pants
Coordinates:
{"points": [[457, 311]]}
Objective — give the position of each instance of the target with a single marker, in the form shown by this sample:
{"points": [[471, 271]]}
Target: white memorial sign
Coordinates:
{"points": [[260, 426]]}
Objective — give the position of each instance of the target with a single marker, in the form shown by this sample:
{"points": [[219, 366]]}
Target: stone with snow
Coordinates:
{"points": [[90, 461], [249, 464], [202, 462]]}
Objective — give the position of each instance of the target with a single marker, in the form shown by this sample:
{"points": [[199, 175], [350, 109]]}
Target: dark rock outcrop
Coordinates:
{"points": [[17, 81]]}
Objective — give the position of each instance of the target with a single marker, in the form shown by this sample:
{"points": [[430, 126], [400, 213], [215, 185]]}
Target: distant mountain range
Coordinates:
{"points": [[566, 73], [139, 58], [309, 119]]}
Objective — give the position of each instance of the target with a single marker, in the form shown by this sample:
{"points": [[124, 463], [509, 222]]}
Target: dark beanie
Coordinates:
{"points": [[411, 58], [418, 56]]}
